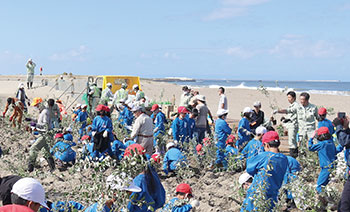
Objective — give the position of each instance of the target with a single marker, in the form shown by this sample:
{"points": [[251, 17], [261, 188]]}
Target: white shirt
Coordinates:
{"points": [[223, 100]]}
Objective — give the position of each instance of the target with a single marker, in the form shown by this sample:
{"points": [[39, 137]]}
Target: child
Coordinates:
{"points": [[183, 195], [230, 146], [76, 111], [272, 162], [82, 117], [254, 146], [180, 125], [323, 122], [244, 129], [222, 130], [326, 155], [159, 120], [245, 180], [118, 149], [191, 119], [67, 135], [63, 151], [173, 157]]}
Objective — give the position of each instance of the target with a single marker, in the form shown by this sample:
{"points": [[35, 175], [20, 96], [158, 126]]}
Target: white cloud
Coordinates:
{"points": [[11, 57], [241, 52], [302, 48], [225, 13], [164, 55], [243, 2], [79, 54]]}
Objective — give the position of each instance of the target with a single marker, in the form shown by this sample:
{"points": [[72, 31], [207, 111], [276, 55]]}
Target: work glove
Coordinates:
{"points": [[93, 133], [176, 142], [274, 111], [105, 134], [194, 203], [3, 114], [155, 130], [337, 121]]}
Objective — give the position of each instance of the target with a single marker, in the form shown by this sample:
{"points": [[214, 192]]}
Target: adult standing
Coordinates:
{"points": [[30, 73], [201, 121], [139, 94], [120, 95], [307, 116], [223, 99], [185, 97], [257, 116], [106, 95], [291, 122], [21, 95], [94, 95], [142, 130]]}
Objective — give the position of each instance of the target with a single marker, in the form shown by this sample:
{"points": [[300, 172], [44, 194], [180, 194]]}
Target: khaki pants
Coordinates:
{"points": [[37, 146], [147, 143], [292, 136]]}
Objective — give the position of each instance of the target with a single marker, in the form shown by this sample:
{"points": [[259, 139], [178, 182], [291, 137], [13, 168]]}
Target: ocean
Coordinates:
{"points": [[316, 87]]}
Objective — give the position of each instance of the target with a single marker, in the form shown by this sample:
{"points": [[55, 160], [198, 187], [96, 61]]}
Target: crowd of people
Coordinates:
{"points": [[255, 141]]}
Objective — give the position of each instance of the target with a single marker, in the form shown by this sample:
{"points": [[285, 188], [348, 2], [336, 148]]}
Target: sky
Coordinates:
{"points": [[205, 39]]}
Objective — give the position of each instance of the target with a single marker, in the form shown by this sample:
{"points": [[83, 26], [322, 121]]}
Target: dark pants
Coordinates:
{"points": [[200, 134]]}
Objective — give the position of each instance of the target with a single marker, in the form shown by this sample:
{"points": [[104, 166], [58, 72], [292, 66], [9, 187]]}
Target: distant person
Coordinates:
{"points": [[307, 116], [223, 99], [291, 122], [323, 121], [21, 95], [120, 95], [201, 122], [30, 73], [41, 71], [257, 116], [185, 97], [106, 95], [27, 195], [139, 94], [17, 113]]}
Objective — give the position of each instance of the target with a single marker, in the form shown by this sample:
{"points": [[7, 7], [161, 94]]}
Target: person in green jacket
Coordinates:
{"points": [[30, 73], [139, 94]]}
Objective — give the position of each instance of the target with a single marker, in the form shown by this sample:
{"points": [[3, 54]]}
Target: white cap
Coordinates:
{"points": [[30, 189], [257, 104], [247, 110], [222, 112], [169, 145], [244, 178], [200, 98], [260, 130], [109, 84], [30, 60], [135, 86], [21, 85], [124, 85], [122, 183], [130, 105], [69, 129], [136, 108], [83, 106], [78, 105]]}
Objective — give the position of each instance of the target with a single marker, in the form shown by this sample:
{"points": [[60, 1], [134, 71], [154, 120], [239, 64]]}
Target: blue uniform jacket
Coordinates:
{"points": [[180, 129], [88, 150], [222, 131], [253, 148], [293, 167], [82, 117], [118, 149], [327, 123], [191, 126], [63, 151], [155, 199], [173, 207], [172, 158], [230, 150], [327, 152], [102, 123], [159, 121], [77, 111], [68, 137], [60, 206], [243, 127], [94, 208], [126, 117]]}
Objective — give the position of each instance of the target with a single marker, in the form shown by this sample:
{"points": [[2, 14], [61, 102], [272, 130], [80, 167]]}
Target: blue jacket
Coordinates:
{"points": [[230, 150], [180, 129], [154, 199], [82, 117], [88, 150], [63, 151], [68, 137], [293, 167], [102, 123], [159, 121], [77, 111], [172, 158], [172, 206], [126, 117], [256, 167], [222, 131], [327, 152], [118, 149], [60, 206], [327, 123], [191, 126], [253, 148], [243, 127], [94, 208]]}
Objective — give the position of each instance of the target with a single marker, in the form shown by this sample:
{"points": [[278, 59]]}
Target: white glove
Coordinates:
{"points": [[155, 130], [194, 203], [176, 142], [105, 133], [93, 133], [275, 111]]}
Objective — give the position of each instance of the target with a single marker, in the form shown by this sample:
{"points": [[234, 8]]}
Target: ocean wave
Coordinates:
{"points": [[243, 86], [336, 93]]}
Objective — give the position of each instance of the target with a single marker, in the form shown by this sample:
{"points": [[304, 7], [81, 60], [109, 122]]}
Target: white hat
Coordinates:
{"points": [[222, 112], [244, 178], [130, 105], [30, 189], [247, 110], [136, 108], [21, 85], [200, 98], [69, 129], [83, 106], [257, 104], [169, 145], [124, 85], [78, 105], [135, 86], [122, 183], [122, 100], [109, 84], [260, 130], [30, 60]]}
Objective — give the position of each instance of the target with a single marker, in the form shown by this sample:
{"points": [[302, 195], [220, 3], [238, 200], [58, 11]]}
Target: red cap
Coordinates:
{"points": [[59, 135], [154, 107], [231, 139], [134, 149], [322, 130], [182, 109], [156, 157], [106, 108], [184, 188], [270, 136], [322, 111], [199, 148], [100, 107], [85, 137]]}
